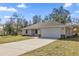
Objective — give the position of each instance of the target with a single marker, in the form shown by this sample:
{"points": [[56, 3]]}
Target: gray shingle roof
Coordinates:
{"points": [[44, 25]]}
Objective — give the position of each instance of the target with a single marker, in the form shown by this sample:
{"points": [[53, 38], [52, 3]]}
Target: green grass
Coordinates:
{"points": [[7, 39], [64, 47]]}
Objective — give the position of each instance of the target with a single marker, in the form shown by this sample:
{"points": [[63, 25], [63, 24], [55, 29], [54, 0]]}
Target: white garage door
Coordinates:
{"points": [[51, 32]]}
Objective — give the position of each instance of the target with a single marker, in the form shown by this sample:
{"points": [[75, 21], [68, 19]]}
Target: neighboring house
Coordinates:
{"points": [[48, 29]]}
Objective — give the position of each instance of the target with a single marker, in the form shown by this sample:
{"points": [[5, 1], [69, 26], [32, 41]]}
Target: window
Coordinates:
{"points": [[36, 31], [26, 31]]}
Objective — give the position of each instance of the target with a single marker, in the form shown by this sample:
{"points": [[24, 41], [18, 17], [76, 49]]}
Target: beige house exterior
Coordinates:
{"points": [[48, 30]]}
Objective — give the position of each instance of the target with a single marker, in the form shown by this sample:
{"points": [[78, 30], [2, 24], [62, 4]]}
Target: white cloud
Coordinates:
{"points": [[2, 8], [6, 17], [22, 5], [67, 5]]}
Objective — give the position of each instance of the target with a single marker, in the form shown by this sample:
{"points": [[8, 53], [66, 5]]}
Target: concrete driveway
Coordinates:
{"points": [[20, 47]]}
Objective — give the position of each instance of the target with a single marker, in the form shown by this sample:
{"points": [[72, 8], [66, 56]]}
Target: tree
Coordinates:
{"points": [[36, 19], [75, 20], [60, 15], [0, 19], [20, 22], [39, 19], [46, 19], [17, 21], [15, 24], [24, 23], [9, 28]]}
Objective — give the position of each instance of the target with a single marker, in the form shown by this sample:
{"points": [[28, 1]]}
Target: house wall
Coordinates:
{"points": [[29, 32], [54, 32], [23, 32]]}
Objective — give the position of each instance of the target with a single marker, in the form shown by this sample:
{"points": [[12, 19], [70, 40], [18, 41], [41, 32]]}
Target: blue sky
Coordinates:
{"points": [[28, 10]]}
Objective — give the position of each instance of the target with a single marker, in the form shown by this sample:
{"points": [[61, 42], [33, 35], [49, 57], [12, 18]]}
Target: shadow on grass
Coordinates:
{"points": [[71, 39]]}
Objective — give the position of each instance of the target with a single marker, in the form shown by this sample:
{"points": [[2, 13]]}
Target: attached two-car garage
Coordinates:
{"points": [[52, 32]]}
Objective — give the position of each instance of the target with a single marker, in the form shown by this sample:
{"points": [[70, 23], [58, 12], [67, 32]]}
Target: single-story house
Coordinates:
{"points": [[48, 30]]}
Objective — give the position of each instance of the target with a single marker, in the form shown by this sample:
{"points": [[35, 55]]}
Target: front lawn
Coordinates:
{"points": [[64, 47], [7, 39]]}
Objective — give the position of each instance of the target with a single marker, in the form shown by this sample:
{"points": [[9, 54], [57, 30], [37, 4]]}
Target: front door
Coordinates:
{"points": [[34, 32]]}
